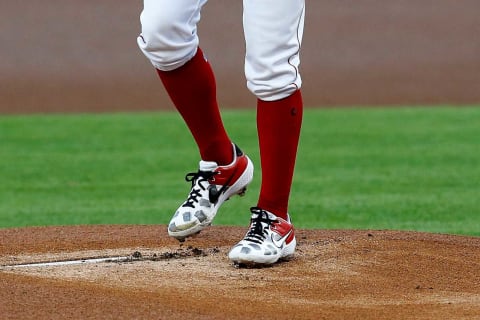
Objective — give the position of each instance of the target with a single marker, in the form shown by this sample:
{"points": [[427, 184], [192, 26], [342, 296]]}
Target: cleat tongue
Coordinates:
{"points": [[207, 165]]}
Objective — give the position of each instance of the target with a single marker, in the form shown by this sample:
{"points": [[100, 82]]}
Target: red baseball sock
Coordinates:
{"points": [[192, 89], [278, 125]]}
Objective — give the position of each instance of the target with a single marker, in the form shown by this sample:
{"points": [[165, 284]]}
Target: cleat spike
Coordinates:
{"points": [[242, 192]]}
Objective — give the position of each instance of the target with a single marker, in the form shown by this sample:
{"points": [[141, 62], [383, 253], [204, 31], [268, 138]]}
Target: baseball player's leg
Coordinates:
{"points": [[169, 39], [273, 34]]}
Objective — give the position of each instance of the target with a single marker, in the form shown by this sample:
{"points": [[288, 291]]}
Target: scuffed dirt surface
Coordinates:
{"points": [[335, 274]]}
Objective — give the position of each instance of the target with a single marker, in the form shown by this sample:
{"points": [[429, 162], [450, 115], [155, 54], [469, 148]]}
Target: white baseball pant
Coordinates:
{"points": [[273, 32]]}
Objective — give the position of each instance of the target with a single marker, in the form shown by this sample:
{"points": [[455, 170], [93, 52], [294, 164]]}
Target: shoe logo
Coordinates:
{"points": [[214, 194], [281, 242]]}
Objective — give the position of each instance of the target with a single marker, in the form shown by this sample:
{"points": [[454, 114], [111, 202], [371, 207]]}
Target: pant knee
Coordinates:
{"points": [[273, 80], [167, 46]]}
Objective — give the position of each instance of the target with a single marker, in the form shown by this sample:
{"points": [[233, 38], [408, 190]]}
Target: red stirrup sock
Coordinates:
{"points": [[192, 89], [278, 125]]}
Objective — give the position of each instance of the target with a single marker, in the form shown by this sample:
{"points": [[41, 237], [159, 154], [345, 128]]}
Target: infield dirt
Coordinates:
{"points": [[335, 274]]}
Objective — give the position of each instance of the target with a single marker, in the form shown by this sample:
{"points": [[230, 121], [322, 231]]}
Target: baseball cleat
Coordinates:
{"points": [[268, 240], [212, 185]]}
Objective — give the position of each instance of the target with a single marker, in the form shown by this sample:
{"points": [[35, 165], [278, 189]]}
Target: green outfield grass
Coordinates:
{"points": [[399, 168]]}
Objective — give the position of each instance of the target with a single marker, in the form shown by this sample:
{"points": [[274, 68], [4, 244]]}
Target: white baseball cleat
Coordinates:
{"points": [[212, 185], [268, 240]]}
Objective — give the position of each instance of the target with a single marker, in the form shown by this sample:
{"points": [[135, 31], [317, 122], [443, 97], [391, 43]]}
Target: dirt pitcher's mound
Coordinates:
{"points": [[144, 274]]}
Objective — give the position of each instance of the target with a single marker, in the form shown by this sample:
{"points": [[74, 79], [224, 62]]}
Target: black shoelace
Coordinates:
{"points": [[259, 223], [196, 178]]}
